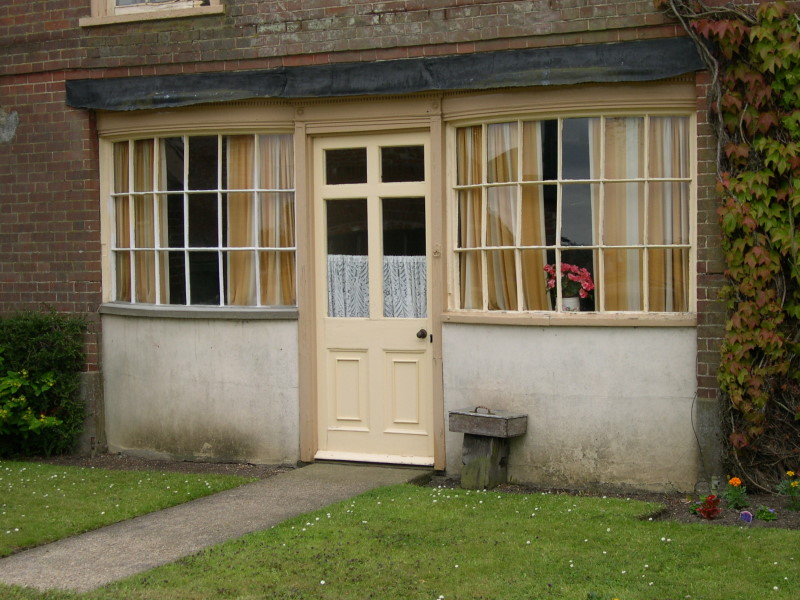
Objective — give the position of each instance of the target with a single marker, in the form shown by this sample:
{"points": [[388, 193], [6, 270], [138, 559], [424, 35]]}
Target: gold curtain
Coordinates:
{"points": [[534, 290], [241, 206], [468, 151], [623, 219], [144, 220], [277, 226], [122, 215], [668, 214]]}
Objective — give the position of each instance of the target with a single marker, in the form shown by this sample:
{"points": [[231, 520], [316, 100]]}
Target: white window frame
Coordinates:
{"points": [[105, 12], [600, 315]]}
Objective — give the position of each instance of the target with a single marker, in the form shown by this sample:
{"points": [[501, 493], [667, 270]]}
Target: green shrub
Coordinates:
{"points": [[41, 356]]}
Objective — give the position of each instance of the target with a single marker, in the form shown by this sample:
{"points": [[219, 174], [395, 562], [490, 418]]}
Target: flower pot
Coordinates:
{"points": [[571, 304]]}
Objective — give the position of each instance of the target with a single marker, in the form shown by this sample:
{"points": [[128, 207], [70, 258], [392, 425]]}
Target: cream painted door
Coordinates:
{"points": [[374, 350]]}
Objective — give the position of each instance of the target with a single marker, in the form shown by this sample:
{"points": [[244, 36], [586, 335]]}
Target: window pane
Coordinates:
{"points": [[145, 265], [276, 154], [533, 220], [176, 277], [143, 165], [348, 165], [501, 274], [348, 267], [144, 223], [175, 221], [623, 216], [576, 215], [501, 152], [241, 277], [549, 132], [203, 220], [532, 158], [277, 220], [469, 266], [622, 285], [668, 279], [172, 163], [624, 148], [123, 279], [404, 264], [534, 291], [241, 217], [583, 259], [204, 277], [122, 215], [468, 153], [203, 163], [580, 154], [669, 147], [469, 218], [402, 163], [668, 210], [501, 216], [277, 273]]}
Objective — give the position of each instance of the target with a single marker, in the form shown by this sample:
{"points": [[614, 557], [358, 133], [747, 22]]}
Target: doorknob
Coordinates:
{"points": [[422, 334]]}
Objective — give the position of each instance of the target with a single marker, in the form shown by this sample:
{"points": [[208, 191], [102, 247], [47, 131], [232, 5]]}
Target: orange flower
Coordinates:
{"points": [[734, 481]]}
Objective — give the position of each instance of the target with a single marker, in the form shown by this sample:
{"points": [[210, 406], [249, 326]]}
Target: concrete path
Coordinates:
{"points": [[100, 557]]}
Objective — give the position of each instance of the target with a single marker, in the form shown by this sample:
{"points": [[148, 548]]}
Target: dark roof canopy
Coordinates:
{"points": [[646, 60]]}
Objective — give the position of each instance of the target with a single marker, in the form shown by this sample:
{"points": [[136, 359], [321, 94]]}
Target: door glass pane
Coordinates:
{"points": [[348, 267], [203, 220], [404, 260], [577, 137], [576, 215], [346, 165], [402, 163], [203, 162], [204, 277]]}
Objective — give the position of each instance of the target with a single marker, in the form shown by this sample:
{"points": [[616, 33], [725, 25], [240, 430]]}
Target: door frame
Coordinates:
{"points": [[327, 118]]}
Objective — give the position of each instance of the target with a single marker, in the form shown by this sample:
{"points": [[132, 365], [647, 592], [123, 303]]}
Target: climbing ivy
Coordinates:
{"points": [[754, 61]]}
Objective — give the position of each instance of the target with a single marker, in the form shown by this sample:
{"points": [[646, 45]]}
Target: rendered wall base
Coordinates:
{"points": [[606, 406], [201, 389], [93, 437]]}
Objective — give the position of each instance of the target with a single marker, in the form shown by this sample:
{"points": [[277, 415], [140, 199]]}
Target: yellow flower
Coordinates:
{"points": [[735, 481], [795, 483], [790, 473]]}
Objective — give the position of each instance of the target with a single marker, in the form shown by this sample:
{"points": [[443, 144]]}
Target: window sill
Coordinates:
{"points": [[157, 15], [584, 319], [242, 313]]}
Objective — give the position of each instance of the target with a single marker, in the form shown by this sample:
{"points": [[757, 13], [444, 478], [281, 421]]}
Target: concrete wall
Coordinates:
{"points": [[604, 404], [201, 389]]}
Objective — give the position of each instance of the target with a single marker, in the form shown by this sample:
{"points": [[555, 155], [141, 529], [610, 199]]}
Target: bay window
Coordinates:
{"points": [[204, 220], [606, 194]]}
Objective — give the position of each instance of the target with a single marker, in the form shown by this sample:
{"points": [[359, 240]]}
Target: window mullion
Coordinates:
{"points": [[484, 199], [518, 218], [131, 219], [559, 202], [646, 210], [156, 217], [221, 256], [600, 298]]}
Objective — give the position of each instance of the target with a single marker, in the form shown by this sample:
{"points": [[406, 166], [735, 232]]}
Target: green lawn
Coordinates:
{"points": [[40, 503], [411, 542]]}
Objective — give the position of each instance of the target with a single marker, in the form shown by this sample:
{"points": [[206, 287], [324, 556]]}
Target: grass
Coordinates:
{"points": [[408, 542], [41, 503]]}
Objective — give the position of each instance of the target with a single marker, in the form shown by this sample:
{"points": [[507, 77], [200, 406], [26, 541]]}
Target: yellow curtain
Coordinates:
{"points": [[122, 215], [668, 214], [623, 219], [468, 151], [241, 206], [534, 291], [144, 220], [277, 226]]}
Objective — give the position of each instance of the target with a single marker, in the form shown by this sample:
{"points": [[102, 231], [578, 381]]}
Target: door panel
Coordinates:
{"points": [[372, 215]]}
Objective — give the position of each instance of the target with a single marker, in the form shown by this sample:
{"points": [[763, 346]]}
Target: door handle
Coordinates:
{"points": [[422, 334]]}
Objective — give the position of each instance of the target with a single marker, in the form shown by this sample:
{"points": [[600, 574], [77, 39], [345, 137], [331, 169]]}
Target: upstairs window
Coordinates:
{"points": [[121, 11], [607, 196], [204, 220]]}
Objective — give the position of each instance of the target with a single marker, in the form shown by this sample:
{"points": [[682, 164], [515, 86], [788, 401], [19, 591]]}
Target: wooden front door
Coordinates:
{"points": [[374, 350]]}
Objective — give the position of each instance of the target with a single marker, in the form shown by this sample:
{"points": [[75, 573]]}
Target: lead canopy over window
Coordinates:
{"points": [[607, 194], [204, 220]]}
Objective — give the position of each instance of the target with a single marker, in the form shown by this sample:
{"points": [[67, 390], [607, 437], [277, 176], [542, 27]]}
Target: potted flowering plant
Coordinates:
{"points": [[576, 282]]}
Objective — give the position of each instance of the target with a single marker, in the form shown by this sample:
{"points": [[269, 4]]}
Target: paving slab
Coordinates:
{"points": [[97, 558]]}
